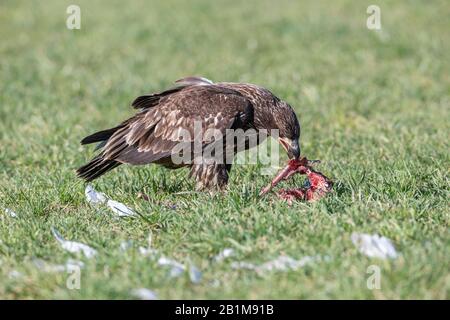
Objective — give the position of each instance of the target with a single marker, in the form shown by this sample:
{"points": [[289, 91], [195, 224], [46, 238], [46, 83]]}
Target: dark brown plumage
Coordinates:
{"points": [[151, 135]]}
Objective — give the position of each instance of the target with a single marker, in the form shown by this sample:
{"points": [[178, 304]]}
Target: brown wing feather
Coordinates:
{"points": [[153, 133], [151, 100]]}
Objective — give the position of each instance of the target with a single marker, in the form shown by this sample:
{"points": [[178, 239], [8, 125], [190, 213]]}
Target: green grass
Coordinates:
{"points": [[374, 107]]}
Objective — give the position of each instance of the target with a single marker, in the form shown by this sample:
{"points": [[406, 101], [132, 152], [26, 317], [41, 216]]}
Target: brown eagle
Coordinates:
{"points": [[152, 134]]}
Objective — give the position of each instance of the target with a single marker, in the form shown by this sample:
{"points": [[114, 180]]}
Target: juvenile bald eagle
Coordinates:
{"points": [[151, 135]]}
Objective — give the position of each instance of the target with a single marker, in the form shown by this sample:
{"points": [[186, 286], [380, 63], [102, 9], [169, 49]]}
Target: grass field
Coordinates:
{"points": [[374, 107]]}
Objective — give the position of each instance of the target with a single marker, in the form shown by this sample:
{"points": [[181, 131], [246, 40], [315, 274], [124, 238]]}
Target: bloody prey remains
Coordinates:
{"points": [[317, 185]]}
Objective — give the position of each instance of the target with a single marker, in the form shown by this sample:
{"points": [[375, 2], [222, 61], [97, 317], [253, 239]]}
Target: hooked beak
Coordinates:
{"points": [[291, 146]]}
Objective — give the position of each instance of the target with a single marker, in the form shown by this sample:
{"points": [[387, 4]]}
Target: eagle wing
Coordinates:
{"points": [[168, 119]]}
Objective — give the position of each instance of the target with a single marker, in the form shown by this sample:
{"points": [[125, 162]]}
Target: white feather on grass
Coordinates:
{"points": [[98, 198], [148, 252], [374, 246], [195, 275], [73, 246], [94, 197], [47, 267], [10, 213], [126, 245], [281, 263], [14, 274], [120, 209], [144, 294], [224, 254], [176, 269]]}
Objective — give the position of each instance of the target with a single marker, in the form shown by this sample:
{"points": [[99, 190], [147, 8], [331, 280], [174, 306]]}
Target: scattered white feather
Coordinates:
{"points": [[73, 246], [224, 254], [47, 267], [11, 213], [214, 283], [195, 274], [243, 265], [93, 196], [176, 269], [144, 294], [125, 245], [120, 209], [281, 263], [14, 274], [71, 263], [284, 263], [148, 252], [374, 246]]}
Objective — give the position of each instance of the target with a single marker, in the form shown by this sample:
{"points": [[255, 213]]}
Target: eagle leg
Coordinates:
{"points": [[210, 176]]}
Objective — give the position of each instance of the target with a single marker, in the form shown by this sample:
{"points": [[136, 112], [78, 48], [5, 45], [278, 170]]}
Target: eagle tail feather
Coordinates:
{"points": [[100, 135], [96, 167]]}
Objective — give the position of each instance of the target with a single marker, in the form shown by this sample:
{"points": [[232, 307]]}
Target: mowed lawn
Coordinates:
{"points": [[374, 107]]}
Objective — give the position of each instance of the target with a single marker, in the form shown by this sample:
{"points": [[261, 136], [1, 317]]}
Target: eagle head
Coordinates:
{"points": [[288, 125]]}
